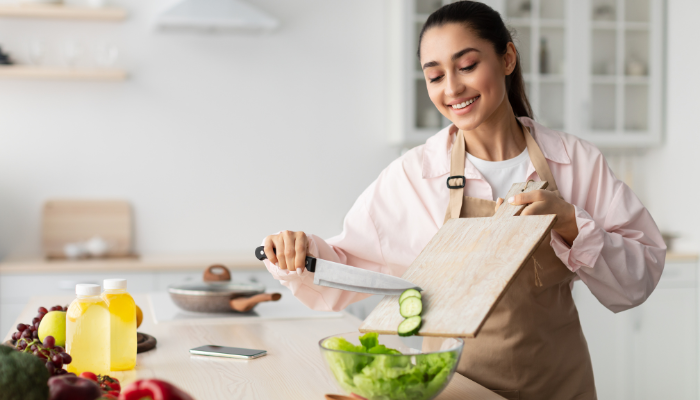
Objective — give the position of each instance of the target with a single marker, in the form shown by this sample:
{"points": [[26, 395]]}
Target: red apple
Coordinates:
{"points": [[65, 387]]}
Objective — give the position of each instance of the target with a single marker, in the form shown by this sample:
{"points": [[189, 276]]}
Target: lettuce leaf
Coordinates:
{"points": [[338, 343], [369, 340], [379, 374]]}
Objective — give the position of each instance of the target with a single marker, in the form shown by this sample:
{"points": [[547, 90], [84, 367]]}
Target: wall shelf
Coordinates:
{"points": [[65, 74], [62, 12]]}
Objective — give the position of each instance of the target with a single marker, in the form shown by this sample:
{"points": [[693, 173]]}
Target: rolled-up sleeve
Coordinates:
{"points": [[619, 252], [357, 245]]}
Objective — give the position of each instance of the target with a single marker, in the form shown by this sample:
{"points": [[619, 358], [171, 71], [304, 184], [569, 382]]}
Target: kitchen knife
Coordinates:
{"points": [[345, 277]]}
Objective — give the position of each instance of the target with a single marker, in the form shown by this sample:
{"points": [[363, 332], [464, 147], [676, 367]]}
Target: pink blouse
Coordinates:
{"points": [[618, 254]]}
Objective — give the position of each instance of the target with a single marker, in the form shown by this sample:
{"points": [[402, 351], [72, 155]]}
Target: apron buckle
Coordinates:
{"points": [[464, 181]]}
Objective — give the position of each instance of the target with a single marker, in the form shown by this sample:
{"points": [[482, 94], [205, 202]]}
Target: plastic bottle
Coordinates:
{"points": [[122, 310], [87, 331]]}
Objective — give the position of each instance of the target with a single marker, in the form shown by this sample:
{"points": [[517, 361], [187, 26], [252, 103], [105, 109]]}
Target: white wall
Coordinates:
{"points": [[216, 140], [220, 140]]}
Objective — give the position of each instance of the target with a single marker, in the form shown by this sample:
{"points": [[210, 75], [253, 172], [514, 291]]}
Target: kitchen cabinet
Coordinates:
{"points": [[591, 68], [412, 118], [651, 351]]}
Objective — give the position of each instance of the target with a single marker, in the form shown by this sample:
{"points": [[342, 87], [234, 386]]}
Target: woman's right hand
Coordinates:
{"points": [[291, 247]]}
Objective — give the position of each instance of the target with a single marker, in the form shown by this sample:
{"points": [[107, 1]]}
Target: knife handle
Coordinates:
{"points": [[310, 263]]}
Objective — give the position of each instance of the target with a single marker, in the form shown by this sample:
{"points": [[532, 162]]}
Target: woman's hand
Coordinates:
{"points": [[291, 247], [543, 202]]}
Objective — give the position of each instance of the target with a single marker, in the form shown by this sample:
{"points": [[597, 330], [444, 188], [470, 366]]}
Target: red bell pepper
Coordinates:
{"points": [[153, 389]]}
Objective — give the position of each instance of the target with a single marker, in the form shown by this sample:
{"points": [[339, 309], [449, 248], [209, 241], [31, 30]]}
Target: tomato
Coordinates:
{"points": [[89, 375]]}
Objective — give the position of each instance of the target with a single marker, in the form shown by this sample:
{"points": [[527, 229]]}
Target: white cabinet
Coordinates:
{"points": [[593, 68], [618, 75], [664, 346], [651, 351], [412, 117]]}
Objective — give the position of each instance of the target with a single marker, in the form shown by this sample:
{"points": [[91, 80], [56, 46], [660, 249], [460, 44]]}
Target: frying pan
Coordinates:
{"points": [[217, 294]]}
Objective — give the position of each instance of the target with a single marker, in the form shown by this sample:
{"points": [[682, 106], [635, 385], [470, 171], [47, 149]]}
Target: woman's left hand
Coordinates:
{"points": [[544, 202]]}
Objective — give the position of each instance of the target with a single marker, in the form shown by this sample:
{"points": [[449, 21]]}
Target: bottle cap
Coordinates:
{"points": [[114, 284], [87, 289]]}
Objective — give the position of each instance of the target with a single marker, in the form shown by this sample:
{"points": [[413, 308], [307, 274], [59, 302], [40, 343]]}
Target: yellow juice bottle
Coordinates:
{"points": [[87, 331], [122, 310]]}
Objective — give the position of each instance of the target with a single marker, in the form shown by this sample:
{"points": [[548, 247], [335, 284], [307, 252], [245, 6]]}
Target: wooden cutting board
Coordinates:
{"points": [[466, 268], [72, 221]]}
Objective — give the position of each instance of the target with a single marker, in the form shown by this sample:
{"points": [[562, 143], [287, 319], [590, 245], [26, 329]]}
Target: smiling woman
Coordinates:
{"points": [[531, 346], [450, 28]]}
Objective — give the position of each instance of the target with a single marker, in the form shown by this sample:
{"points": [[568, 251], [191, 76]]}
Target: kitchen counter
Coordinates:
{"points": [[681, 257], [40, 265], [237, 261], [293, 368]]}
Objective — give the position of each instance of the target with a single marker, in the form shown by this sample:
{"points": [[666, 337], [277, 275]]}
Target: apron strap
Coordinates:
{"points": [[456, 181], [457, 174], [538, 160]]}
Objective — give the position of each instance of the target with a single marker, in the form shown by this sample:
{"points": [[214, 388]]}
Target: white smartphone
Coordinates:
{"points": [[230, 352]]}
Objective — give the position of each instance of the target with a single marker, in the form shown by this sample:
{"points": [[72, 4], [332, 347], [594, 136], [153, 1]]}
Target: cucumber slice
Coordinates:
{"points": [[411, 307], [409, 293], [410, 326]]}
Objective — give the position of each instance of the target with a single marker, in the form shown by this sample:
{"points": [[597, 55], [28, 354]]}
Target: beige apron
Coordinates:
{"points": [[531, 346]]}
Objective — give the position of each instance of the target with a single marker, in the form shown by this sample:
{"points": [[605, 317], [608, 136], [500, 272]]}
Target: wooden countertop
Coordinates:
{"points": [[39, 265], [293, 368]]}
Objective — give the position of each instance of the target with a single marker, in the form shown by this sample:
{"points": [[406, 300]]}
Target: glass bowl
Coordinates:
{"points": [[408, 374]]}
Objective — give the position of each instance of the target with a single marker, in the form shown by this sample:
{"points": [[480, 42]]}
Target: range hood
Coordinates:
{"points": [[214, 16]]}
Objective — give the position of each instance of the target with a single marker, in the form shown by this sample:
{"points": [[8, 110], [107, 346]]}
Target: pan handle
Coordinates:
{"points": [[211, 274], [245, 304]]}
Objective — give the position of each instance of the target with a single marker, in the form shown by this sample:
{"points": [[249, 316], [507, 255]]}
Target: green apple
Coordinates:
{"points": [[54, 324]]}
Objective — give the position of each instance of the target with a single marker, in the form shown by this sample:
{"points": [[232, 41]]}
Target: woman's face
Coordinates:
{"points": [[464, 75]]}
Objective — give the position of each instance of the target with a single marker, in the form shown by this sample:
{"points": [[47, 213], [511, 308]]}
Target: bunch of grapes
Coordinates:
{"points": [[31, 331], [55, 356], [27, 340]]}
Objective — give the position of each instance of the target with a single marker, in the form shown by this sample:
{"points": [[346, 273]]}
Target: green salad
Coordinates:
{"points": [[377, 377]]}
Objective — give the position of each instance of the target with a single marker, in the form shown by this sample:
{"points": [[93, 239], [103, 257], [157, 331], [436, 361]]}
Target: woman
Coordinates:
{"points": [[532, 346]]}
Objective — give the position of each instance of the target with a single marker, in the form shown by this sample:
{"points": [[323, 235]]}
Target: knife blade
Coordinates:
{"points": [[345, 277]]}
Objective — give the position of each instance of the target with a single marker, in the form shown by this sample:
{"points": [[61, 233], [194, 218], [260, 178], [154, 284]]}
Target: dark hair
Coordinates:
{"points": [[488, 25]]}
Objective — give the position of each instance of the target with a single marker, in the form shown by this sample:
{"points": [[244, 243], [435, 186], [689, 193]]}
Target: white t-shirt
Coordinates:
{"points": [[501, 175]]}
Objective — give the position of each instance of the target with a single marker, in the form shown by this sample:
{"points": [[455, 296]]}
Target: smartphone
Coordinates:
{"points": [[231, 352]]}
